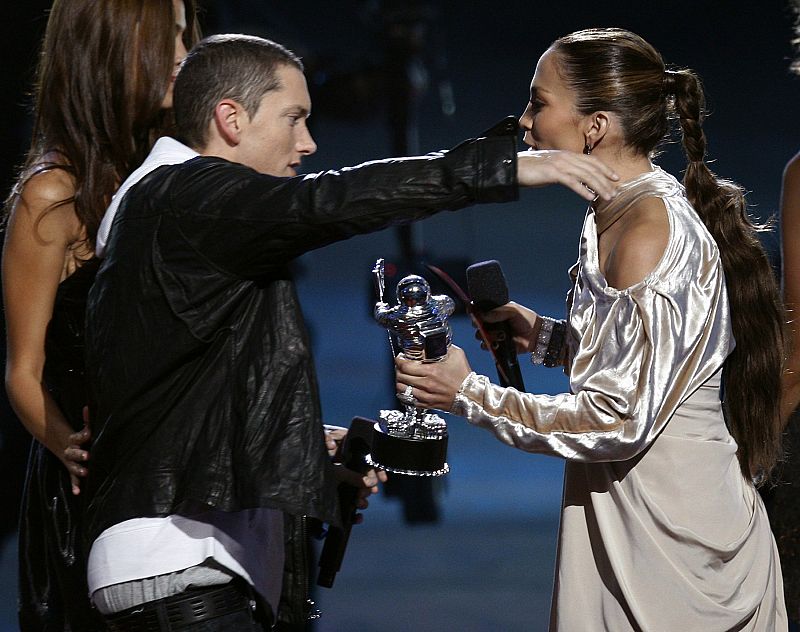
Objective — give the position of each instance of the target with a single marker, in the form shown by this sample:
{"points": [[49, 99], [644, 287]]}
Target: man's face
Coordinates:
{"points": [[275, 140]]}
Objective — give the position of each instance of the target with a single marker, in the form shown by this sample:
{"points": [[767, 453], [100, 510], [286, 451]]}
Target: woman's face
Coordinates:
{"points": [[180, 49], [550, 120]]}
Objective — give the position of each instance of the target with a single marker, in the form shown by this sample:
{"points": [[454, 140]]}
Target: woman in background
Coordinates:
{"points": [[783, 501], [661, 524], [103, 94]]}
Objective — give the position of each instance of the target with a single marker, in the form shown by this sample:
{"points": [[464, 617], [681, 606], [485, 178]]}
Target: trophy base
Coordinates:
{"points": [[407, 455]]}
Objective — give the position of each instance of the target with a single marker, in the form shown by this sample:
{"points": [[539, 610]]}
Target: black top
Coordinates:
{"points": [[65, 366], [53, 593]]}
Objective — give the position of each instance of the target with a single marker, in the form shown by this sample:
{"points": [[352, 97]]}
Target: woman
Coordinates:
{"points": [[103, 93], [661, 527], [783, 501]]}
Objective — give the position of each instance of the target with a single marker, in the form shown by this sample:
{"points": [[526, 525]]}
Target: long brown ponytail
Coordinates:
{"points": [[617, 71], [752, 371]]}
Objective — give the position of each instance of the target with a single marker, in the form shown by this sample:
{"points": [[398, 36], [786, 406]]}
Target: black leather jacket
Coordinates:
{"points": [[202, 383]]}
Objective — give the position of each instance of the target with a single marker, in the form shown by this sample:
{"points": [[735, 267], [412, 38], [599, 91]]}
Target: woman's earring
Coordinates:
{"points": [[587, 150]]}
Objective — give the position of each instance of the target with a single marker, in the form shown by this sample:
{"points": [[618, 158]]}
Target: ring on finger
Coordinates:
{"points": [[407, 396]]}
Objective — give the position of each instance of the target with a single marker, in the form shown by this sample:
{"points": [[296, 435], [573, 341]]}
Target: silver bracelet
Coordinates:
{"points": [[542, 340], [549, 348]]}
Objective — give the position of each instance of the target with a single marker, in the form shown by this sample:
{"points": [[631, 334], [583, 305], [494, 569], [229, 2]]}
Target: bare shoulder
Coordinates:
{"points": [[640, 244], [47, 188], [44, 201], [792, 169], [790, 196]]}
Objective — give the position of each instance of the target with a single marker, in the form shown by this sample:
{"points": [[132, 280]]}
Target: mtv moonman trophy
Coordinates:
{"points": [[412, 441]]}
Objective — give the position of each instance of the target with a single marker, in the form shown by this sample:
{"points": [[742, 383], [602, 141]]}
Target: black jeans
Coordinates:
{"points": [[229, 607], [244, 621]]}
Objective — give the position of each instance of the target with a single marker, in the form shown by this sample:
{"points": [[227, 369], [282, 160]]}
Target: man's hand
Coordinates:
{"points": [[586, 175], [334, 438], [365, 484]]}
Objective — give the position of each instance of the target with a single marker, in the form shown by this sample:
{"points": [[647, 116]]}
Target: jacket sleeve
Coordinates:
{"points": [[247, 223]]}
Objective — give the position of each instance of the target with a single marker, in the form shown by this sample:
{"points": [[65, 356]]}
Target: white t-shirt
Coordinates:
{"points": [[249, 543], [165, 151]]}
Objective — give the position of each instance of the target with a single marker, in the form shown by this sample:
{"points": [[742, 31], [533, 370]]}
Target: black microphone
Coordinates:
{"points": [[488, 289], [357, 444]]}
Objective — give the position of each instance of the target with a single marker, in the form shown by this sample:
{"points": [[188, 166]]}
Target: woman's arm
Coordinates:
{"points": [[790, 237], [623, 390], [35, 259]]}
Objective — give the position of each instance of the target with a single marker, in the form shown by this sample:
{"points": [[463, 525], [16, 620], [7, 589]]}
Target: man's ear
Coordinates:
{"points": [[229, 119], [595, 128]]}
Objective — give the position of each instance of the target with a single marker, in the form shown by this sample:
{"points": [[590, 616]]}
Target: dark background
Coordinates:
{"points": [[486, 564], [487, 52]]}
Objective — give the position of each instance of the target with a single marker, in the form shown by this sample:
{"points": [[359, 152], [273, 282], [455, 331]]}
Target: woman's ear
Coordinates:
{"points": [[595, 128], [229, 120]]}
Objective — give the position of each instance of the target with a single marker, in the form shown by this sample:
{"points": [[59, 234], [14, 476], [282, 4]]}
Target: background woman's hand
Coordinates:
{"points": [[435, 384], [586, 175], [74, 457]]}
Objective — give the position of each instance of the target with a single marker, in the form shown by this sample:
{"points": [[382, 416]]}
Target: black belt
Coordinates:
{"points": [[178, 611]]}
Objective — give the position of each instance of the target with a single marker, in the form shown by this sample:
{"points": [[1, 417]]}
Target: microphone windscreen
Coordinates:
{"points": [[487, 285]]}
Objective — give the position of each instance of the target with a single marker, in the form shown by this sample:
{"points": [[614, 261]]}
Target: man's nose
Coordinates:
{"points": [[306, 144]]}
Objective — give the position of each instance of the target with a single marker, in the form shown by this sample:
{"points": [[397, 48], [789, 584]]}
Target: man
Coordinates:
{"points": [[205, 406]]}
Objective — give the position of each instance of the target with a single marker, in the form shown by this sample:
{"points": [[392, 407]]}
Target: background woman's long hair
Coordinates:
{"points": [[104, 68], [617, 71]]}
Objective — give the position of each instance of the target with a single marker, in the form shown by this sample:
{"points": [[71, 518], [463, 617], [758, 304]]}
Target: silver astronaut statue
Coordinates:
{"points": [[412, 441], [419, 321]]}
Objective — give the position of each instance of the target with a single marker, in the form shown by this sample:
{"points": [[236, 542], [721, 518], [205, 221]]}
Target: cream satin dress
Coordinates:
{"points": [[659, 529]]}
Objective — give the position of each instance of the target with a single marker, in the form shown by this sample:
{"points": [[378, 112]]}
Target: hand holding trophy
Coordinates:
{"points": [[412, 441]]}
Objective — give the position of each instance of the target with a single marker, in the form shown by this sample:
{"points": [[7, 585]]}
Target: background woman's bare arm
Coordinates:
{"points": [[38, 254]]}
